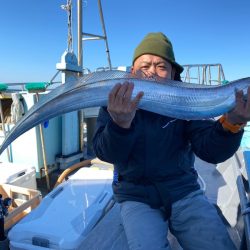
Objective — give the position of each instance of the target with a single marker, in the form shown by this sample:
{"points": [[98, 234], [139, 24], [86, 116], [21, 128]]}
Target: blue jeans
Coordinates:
{"points": [[194, 222]]}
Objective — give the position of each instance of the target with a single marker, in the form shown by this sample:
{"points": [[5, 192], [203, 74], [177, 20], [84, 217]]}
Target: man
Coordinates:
{"points": [[155, 182]]}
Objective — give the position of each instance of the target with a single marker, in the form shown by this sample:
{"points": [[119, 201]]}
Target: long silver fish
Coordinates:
{"points": [[170, 98]]}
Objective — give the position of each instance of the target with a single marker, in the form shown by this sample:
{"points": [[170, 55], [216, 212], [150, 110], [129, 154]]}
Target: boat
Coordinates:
{"points": [[95, 223], [99, 223]]}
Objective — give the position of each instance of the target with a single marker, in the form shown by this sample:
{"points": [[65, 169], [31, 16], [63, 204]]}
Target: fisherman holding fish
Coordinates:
{"points": [[155, 181]]}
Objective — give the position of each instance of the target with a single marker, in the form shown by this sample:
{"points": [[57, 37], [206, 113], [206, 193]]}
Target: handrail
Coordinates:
{"points": [[69, 170], [85, 163]]}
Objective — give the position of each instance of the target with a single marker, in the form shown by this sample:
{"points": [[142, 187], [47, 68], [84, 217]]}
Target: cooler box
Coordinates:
{"points": [[18, 175], [67, 214]]}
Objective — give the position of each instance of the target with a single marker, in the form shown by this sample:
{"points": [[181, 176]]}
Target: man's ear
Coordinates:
{"points": [[132, 70]]}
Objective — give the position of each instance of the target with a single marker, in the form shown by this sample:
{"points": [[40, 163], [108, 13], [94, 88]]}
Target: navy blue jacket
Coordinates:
{"points": [[154, 158]]}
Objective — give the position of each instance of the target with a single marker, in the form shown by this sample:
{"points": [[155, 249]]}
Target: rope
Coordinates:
{"points": [[68, 8]]}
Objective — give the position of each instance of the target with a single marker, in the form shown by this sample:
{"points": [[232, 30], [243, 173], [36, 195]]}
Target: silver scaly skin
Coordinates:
{"points": [[169, 98]]}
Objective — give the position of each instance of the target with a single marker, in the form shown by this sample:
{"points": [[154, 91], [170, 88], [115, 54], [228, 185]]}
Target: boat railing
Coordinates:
{"points": [[205, 74], [104, 69], [14, 87]]}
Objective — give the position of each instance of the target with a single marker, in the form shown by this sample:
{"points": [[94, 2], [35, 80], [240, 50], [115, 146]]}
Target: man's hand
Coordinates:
{"points": [[241, 113], [120, 106]]}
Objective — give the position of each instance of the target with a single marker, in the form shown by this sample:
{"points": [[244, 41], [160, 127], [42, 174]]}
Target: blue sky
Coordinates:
{"points": [[33, 34]]}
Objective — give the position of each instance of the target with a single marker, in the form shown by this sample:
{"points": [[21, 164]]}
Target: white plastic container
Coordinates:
{"points": [[18, 175], [66, 215]]}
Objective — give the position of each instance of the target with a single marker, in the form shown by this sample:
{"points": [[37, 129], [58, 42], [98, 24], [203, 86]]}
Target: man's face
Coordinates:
{"points": [[151, 65]]}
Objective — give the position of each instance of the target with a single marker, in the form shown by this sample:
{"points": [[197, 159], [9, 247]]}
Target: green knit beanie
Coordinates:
{"points": [[159, 45]]}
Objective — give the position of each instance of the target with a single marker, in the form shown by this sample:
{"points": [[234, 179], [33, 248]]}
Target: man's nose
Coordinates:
{"points": [[152, 71]]}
